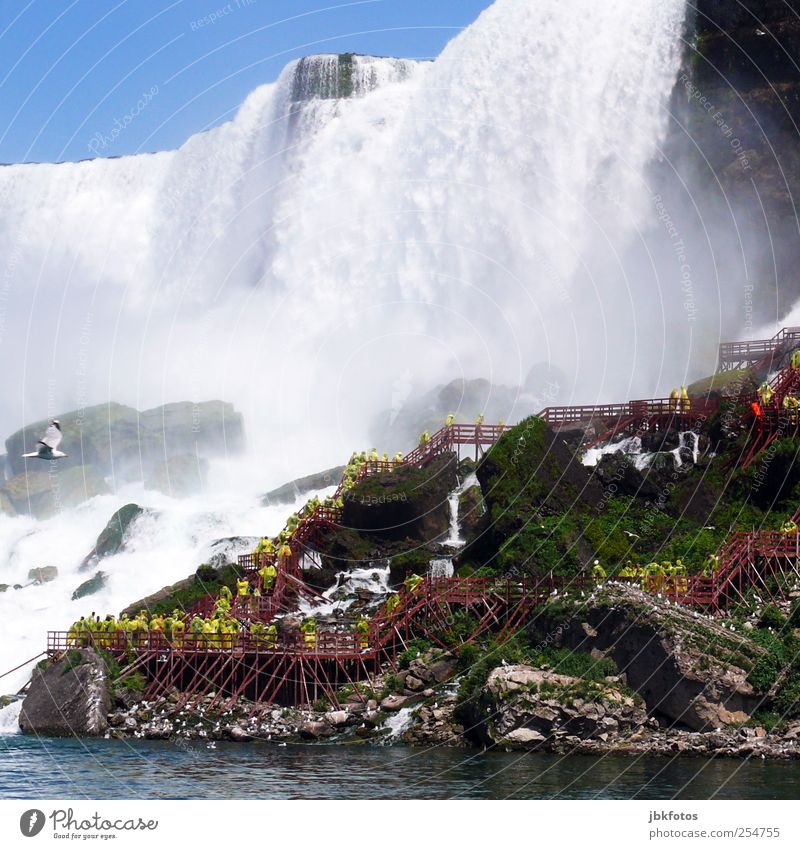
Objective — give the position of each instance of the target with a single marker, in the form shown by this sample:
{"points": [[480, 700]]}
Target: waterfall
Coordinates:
{"points": [[9, 718], [398, 723], [360, 224], [323, 235]]}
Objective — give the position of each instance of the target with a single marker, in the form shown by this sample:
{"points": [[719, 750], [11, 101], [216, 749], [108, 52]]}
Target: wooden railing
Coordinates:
{"points": [[745, 354]]}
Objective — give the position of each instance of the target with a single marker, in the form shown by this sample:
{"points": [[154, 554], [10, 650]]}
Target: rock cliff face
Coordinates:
{"points": [[690, 671], [405, 503], [740, 97], [111, 444], [71, 698]]}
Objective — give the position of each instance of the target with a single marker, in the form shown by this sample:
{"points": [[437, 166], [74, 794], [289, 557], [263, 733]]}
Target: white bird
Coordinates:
{"points": [[631, 535], [48, 444]]}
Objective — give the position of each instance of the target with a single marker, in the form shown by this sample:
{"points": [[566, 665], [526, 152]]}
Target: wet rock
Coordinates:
{"points": [[443, 670], [470, 512], [641, 633], [394, 702], [112, 538], [43, 494], [337, 718], [164, 593], [43, 574], [315, 730], [69, 698], [238, 735], [413, 683], [406, 503], [92, 586], [290, 492]]}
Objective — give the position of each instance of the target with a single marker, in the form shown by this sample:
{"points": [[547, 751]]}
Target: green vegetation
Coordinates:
{"points": [[206, 581], [720, 381]]}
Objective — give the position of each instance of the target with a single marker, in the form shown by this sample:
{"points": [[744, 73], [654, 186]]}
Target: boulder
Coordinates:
{"points": [[641, 634], [48, 488], [120, 442], [393, 702], [315, 730], [69, 698], [527, 708], [112, 538], [288, 493], [212, 428], [225, 552], [43, 574], [337, 718], [406, 503], [92, 586]]}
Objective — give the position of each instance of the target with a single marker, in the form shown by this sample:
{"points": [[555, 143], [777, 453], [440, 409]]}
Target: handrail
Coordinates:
{"points": [[25, 663]]}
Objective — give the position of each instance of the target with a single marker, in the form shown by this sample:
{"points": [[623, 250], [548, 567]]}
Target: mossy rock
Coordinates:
{"points": [[90, 587], [51, 487], [406, 503], [112, 538]]}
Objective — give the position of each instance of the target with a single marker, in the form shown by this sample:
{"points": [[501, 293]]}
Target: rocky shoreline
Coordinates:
{"points": [[427, 704]]}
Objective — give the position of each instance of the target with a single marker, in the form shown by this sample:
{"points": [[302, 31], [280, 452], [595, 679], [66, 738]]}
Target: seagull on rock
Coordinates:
{"points": [[48, 444]]}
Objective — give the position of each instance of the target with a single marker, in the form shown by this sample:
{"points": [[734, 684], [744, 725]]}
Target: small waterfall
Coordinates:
{"points": [[373, 578], [9, 719], [441, 567], [630, 446], [398, 723]]}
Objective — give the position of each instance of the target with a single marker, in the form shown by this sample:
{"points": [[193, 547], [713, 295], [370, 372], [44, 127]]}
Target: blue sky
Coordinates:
{"points": [[69, 69]]}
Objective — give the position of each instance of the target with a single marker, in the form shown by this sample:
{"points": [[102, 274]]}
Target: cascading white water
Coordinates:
{"points": [[9, 718], [435, 221], [374, 579], [631, 447], [165, 547]]}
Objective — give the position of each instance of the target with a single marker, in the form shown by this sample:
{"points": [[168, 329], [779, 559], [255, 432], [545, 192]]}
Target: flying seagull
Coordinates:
{"points": [[48, 444]]}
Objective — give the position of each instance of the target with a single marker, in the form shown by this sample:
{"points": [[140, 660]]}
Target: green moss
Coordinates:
{"points": [[720, 381]]}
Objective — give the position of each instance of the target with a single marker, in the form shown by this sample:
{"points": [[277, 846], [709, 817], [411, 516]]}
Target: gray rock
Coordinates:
{"points": [[393, 702], [92, 586], [337, 718], [442, 670], [315, 730], [524, 736], [113, 537], [290, 492], [43, 574], [70, 698], [43, 494]]}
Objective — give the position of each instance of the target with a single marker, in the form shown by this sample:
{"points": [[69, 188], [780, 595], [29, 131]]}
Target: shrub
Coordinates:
{"points": [[787, 702], [771, 617]]}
